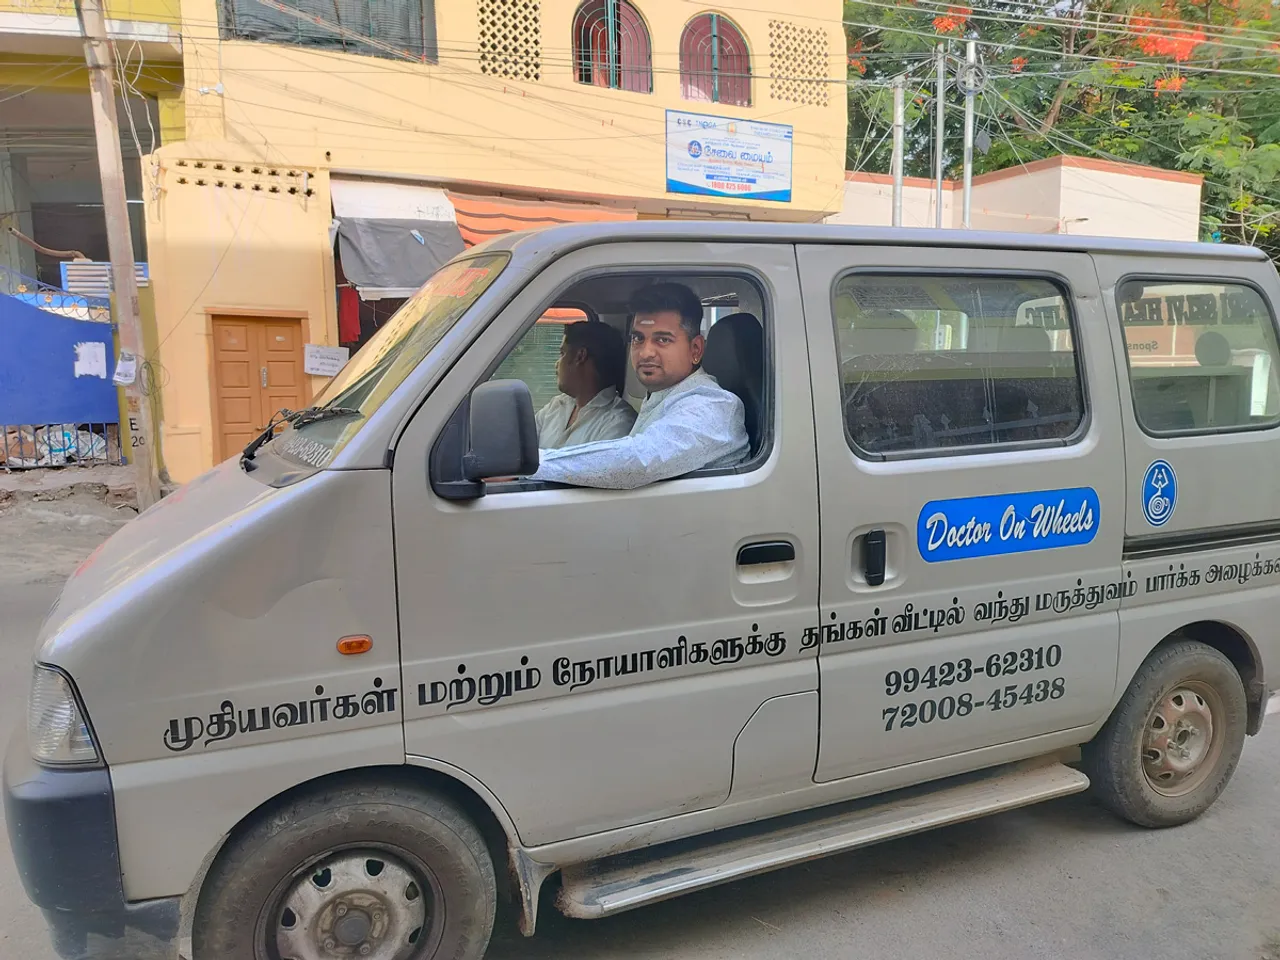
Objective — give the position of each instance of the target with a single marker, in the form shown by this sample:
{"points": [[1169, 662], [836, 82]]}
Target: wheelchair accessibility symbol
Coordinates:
{"points": [[1159, 493]]}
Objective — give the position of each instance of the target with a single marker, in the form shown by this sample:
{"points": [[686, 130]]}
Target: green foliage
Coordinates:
{"points": [[1182, 84]]}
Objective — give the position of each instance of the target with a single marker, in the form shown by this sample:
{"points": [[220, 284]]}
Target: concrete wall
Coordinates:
{"points": [[146, 11], [1018, 200], [218, 250], [1155, 205], [15, 211], [868, 201], [1075, 195]]}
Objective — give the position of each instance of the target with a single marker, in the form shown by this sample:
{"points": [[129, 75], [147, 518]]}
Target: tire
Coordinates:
{"points": [[1157, 762], [354, 864]]}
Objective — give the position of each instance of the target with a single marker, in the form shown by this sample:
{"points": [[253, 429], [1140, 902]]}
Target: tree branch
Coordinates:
{"points": [[1055, 108]]}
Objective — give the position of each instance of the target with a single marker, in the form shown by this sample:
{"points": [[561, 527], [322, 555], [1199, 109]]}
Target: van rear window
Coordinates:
{"points": [[955, 363], [1202, 355]]}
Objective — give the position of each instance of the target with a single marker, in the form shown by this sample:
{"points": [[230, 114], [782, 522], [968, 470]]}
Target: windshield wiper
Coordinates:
{"points": [[296, 418]]}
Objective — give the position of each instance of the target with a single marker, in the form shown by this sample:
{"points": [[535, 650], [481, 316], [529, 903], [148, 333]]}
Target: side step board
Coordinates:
{"points": [[637, 879]]}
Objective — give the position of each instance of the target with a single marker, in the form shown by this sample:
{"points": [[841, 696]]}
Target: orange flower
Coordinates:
{"points": [[1172, 84], [953, 21], [1018, 63], [856, 62], [1178, 44]]}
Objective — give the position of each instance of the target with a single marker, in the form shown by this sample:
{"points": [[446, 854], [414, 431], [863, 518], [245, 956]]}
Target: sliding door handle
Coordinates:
{"points": [[873, 557], [771, 551]]}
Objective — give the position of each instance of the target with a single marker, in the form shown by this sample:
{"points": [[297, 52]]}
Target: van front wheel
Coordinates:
{"points": [[371, 872], [1171, 745]]}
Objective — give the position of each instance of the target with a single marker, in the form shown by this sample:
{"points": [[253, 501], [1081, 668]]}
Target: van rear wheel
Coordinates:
{"points": [[1173, 742], [370, 872]]}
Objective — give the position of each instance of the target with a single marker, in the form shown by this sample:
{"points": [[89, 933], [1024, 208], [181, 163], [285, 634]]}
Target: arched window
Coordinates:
{"points": [[611, 46], [715, 64]]}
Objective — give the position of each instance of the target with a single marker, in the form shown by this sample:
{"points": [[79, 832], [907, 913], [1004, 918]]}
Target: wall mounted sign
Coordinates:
{"points": [[724, 157]]}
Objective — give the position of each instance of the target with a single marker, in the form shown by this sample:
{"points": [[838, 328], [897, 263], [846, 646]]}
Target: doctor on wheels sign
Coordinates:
{"points": [[723, 157]]}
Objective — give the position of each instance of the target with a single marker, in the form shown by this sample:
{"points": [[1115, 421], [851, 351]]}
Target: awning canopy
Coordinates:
{"points": [[392, 236], [482, 218]]}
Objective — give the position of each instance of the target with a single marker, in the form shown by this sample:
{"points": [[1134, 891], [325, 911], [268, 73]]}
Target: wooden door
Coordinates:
{"points": [[257, 371]]}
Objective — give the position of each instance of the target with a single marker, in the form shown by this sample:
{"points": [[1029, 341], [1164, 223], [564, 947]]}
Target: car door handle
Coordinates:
{"points": [[768, 551], [873, 557]]}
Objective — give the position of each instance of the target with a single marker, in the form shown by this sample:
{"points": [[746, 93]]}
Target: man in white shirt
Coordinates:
{"points": [[687, 423], [592, 376]]}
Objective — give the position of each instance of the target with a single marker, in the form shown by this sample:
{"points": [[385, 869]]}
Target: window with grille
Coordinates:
{"points": [[511, 38], [397, 29], [715, 64], [799, 56], [611, 46]]}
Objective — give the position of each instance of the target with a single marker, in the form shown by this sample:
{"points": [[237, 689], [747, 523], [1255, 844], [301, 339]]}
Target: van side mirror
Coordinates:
{"points": [[502, 435]]}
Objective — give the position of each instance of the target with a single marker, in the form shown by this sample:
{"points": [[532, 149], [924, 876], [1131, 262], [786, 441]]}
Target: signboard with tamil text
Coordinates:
{"points": [[724, 157]]}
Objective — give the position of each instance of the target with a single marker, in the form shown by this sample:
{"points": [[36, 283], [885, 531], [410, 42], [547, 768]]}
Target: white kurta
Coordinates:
{"points": [[605, 417], [694, 425]]}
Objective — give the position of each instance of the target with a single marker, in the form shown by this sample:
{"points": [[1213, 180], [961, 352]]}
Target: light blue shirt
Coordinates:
{"points": [[694, 425]]}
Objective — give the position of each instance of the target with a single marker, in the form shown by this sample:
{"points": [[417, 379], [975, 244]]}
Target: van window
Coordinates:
{"points": [[734, 322], [955, 363], [1202, 355]]}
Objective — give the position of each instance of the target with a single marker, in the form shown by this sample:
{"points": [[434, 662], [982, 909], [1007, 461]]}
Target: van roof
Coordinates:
{"points": [[570, 236]]}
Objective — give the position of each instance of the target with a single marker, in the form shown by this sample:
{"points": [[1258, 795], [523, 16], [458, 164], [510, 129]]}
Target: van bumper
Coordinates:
{"points": [[62, 831]]}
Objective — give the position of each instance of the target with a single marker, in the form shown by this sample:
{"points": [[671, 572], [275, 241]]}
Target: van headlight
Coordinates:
{"points": [[57, 728]]}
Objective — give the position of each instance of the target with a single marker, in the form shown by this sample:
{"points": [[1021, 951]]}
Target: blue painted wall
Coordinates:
{"points": [[38, 384]]}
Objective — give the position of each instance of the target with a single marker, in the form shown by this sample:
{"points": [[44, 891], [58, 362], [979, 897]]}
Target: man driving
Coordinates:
{"points": [[592, 376], [688, 421]]}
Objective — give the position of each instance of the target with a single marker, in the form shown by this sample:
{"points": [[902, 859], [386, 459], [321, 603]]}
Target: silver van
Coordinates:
{"points": [[1007, 529]]}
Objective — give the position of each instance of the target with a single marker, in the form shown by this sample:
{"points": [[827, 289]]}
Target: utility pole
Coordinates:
{"points": [[940, 137], [899, 126], [970, 88], [124, 281]]}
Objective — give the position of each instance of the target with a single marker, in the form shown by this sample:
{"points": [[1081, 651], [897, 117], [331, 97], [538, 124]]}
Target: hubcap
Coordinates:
{"points": [[1181, 743], [355, 904]]}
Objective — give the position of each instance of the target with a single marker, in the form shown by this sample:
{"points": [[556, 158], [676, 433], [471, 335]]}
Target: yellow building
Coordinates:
{"points": [[335, 153], [49, 186]]}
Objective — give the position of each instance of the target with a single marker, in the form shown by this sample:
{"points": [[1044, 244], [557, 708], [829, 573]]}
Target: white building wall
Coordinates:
{"points": [[1059, 195]]}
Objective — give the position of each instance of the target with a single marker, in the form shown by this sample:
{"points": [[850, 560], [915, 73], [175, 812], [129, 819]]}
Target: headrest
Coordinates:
{"points": [[1213, 350], [735, 352]]}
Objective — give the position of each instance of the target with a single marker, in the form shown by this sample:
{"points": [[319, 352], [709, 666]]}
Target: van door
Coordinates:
{"points": [[969, 452], [590, 656], [1196, 343]]}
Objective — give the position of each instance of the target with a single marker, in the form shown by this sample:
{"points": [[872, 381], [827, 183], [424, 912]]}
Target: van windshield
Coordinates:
{"points": [[373, 374]]}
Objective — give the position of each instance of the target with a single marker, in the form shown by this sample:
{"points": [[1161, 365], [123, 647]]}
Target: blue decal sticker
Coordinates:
{"points": [[1007, 523], [1159, 493]]}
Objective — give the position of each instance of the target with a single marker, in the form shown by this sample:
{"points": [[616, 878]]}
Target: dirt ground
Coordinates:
{"points": [[50, 520]]}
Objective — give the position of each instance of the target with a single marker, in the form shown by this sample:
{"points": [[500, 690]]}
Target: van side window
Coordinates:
{"points": [[955, 363], [1202, 355]]}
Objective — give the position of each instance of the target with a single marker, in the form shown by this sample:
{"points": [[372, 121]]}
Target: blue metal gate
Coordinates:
{"points": [[57, 402]]}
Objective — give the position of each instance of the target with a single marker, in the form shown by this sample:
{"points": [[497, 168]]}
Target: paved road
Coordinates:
{"points": [[1061, 880]]}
